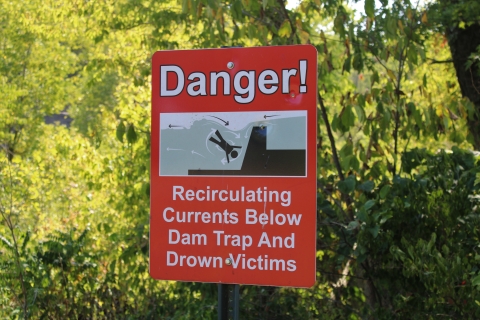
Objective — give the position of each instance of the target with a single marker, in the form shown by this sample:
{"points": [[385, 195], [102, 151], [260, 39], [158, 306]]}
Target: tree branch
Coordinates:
{"points": [[440, 61], [285, 12], [401, 65], [330, 137]]}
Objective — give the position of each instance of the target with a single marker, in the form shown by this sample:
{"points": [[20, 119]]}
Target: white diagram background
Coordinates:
{"points": [[185, 145]]}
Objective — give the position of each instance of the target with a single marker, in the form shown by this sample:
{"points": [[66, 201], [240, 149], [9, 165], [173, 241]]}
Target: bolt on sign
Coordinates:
{"points": [[233, 165]]}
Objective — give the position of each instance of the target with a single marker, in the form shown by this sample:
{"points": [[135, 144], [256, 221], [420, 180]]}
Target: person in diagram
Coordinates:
{"points": [[229, 149]]}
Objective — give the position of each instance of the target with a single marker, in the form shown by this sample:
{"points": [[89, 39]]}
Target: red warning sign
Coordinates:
{"points": [[233, 165]]}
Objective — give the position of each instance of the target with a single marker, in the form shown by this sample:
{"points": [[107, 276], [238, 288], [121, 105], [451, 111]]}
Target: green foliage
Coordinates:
{"points": [[398, 217], [429, 223], [415, 239]]}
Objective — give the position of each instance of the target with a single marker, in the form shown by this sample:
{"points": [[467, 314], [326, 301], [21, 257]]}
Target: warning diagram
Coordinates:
{"points": [[233, 143]]}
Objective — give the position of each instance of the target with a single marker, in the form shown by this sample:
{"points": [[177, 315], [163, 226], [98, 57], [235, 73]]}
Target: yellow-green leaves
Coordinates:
{"points": [[285, 29], [370, 8], [129, 131], [424, 17], [391, 75]]}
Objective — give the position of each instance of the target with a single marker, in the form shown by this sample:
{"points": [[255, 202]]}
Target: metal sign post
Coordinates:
{"points": [[228, 301]]}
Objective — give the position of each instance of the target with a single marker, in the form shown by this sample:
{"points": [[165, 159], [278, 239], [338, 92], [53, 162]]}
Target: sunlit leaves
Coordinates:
{"points": [[370, 8], [285, 30], [37, 65], [383, 95]]}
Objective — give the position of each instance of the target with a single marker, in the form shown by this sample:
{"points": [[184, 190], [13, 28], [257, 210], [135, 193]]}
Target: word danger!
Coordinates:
{"points": [[245, 83]]}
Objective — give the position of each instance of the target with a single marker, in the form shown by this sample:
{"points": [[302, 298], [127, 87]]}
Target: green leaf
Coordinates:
{"points": [[367, 186], [112, 266], [120, 131], [431, 243], [147, 189], [348, 117], [380, 107], [384, 191], [107, 228], [347, 150], [374, 231], [357, 61], [362, 215], [361, 100], [391, 75], [369, 204], [353, 225], [354, 163], [326, 207], [391, 26], [411, 107], [25, 241], [375, 78], [421, 53], [347, 64], [211, 4], [338, 22], [345, 162], [237, 9], [370, 8], [385, 216], [185, 4], [476, 281], [412, 55], [477, 180], [347, 185], [397, 253], [360, 113], [285, 29], [131, 134], [335, 123], [418, 119]]}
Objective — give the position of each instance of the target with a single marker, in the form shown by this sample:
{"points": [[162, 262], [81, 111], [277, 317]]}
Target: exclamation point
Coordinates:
{"points": [[303, 76]]}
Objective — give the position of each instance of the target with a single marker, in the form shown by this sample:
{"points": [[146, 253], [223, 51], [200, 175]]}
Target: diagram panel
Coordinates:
{"points": [[233, 143]]}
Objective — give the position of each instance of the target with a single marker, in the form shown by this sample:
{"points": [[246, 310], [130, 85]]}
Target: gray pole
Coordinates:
{"points": [[228, 301]]}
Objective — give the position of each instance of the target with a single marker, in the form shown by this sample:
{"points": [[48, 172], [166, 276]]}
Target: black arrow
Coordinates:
{"points": [[265, 116], [226, 122], [172, 126]]}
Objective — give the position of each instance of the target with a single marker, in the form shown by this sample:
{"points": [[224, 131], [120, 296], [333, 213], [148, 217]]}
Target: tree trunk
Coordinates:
{"points": [[464, 42]]}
